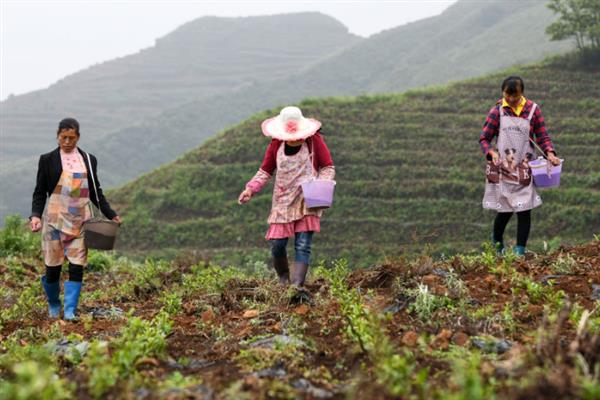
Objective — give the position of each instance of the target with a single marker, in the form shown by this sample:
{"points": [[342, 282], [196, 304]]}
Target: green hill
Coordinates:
{"points": [[226, 70], [409, 172], [454, 45]]}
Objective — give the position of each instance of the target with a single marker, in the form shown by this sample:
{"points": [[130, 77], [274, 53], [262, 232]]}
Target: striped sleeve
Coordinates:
{"points": [[540, 133], [490, 130]]}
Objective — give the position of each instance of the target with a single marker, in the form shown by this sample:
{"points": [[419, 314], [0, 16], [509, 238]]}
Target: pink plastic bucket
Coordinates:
{"points": [[544, 176], [318, 193]]}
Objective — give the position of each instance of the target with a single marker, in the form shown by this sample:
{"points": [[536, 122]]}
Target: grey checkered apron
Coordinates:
{"points": [[513, 145]]}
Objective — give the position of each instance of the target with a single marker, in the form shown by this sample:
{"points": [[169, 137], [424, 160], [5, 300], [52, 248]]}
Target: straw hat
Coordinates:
{"points": [[290, 125]]}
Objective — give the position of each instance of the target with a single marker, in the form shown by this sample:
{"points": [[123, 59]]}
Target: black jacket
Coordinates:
{"points": [[48, 175]]}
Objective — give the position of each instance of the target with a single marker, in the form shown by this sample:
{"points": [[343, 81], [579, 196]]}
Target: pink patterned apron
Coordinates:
{"points": [[288, 201], [68, 208]]}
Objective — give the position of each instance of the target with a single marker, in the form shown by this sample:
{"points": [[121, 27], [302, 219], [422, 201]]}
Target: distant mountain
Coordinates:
{"points": [[409, 172], [202, 58], [468, 39]]}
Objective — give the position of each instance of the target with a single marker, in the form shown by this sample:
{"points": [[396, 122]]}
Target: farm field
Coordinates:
{"points": [[474, 326]]}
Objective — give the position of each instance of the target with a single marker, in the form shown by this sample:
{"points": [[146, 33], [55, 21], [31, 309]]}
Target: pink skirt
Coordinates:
{"points": [[306, 224]]}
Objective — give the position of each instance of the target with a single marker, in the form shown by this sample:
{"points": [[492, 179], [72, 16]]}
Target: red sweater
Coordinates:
{"points": [[316, 144]]}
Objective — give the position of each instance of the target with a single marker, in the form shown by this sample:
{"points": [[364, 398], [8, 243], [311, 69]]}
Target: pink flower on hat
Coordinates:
{"points": [[291, 126]]}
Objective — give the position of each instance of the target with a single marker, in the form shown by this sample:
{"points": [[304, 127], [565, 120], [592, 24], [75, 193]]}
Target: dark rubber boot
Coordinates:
{"points": [[282, 268], [301, 295], [299, 273]]}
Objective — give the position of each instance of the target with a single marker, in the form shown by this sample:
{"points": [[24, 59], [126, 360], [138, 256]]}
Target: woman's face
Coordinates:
{"points": [[67, 140], [295, 143], [513, 99]]}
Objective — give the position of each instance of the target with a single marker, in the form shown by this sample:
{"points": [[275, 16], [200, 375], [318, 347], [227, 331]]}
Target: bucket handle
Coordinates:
{"points": [[538, 148], [93, 184], [548, 164]]}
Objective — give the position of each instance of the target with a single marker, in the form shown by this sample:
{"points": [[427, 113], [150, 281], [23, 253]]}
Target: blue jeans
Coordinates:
{"points": [[302, 245]]}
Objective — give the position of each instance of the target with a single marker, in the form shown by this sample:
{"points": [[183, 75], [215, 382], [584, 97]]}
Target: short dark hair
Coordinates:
{"points": [[68, 123], [512, 84]]}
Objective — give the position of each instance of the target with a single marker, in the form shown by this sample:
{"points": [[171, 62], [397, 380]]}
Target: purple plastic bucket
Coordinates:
{"points": [[544, 177], [318, 193]]}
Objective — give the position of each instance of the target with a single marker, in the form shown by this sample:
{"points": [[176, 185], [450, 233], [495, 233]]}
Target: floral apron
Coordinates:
{"points": [[288, 200], [68, 208], [512, 189]]}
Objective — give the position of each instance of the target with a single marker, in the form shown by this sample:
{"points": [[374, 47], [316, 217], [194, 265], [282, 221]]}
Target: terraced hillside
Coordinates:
{"points": [[409, 172]]}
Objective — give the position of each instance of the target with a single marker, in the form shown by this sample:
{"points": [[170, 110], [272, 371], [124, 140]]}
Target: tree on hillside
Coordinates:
{"points": [[579, 19]]}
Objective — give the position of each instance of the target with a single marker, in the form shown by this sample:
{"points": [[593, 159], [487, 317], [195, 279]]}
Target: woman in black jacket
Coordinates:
{"points": [[64, 179]]}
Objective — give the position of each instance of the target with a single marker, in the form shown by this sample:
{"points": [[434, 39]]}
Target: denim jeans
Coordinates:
{"points": [[302, 245]]}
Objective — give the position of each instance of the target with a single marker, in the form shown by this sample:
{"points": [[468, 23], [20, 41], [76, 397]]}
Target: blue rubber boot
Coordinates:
{"points": [[72, 290], [519, 250], [52, 291]]}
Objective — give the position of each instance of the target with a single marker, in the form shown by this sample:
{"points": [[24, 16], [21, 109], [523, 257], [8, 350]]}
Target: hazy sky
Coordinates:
{"points": [[43, 41]]}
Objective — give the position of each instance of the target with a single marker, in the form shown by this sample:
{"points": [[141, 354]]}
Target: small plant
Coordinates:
{"points": [[534, 290], [257, 358], [508, 319], [426, 303], [33, 380], [15, 239], [455, 285], [471, 384], [564, 264], [99, 260], [552, 245], [210, 279], [489, 255], [139, 338], [28, 304], [103, 373], [483, 312], [146, 278], [171, 302], [555, 299], [178, 381]]}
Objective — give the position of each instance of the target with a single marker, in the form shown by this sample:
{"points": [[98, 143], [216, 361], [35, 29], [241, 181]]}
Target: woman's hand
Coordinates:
{"points": [[245, 196], [553, 159], [117, 219], [35, 224], [495, 157]]}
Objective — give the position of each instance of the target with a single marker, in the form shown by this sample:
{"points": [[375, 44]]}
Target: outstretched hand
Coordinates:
{"points": [[35, 224], [245, 196]]}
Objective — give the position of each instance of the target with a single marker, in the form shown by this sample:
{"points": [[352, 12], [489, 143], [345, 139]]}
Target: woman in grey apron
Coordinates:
{"points": [[515, 122]]}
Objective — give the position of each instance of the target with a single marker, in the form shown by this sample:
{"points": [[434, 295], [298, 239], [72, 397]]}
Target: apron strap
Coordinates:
{"points": [[310, 153], [533, 108], [93, 182]]}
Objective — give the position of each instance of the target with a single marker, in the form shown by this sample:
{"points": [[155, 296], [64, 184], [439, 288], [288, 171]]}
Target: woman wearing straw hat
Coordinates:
{"points": [[64, 179], [518, 125], [298, 152]]}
